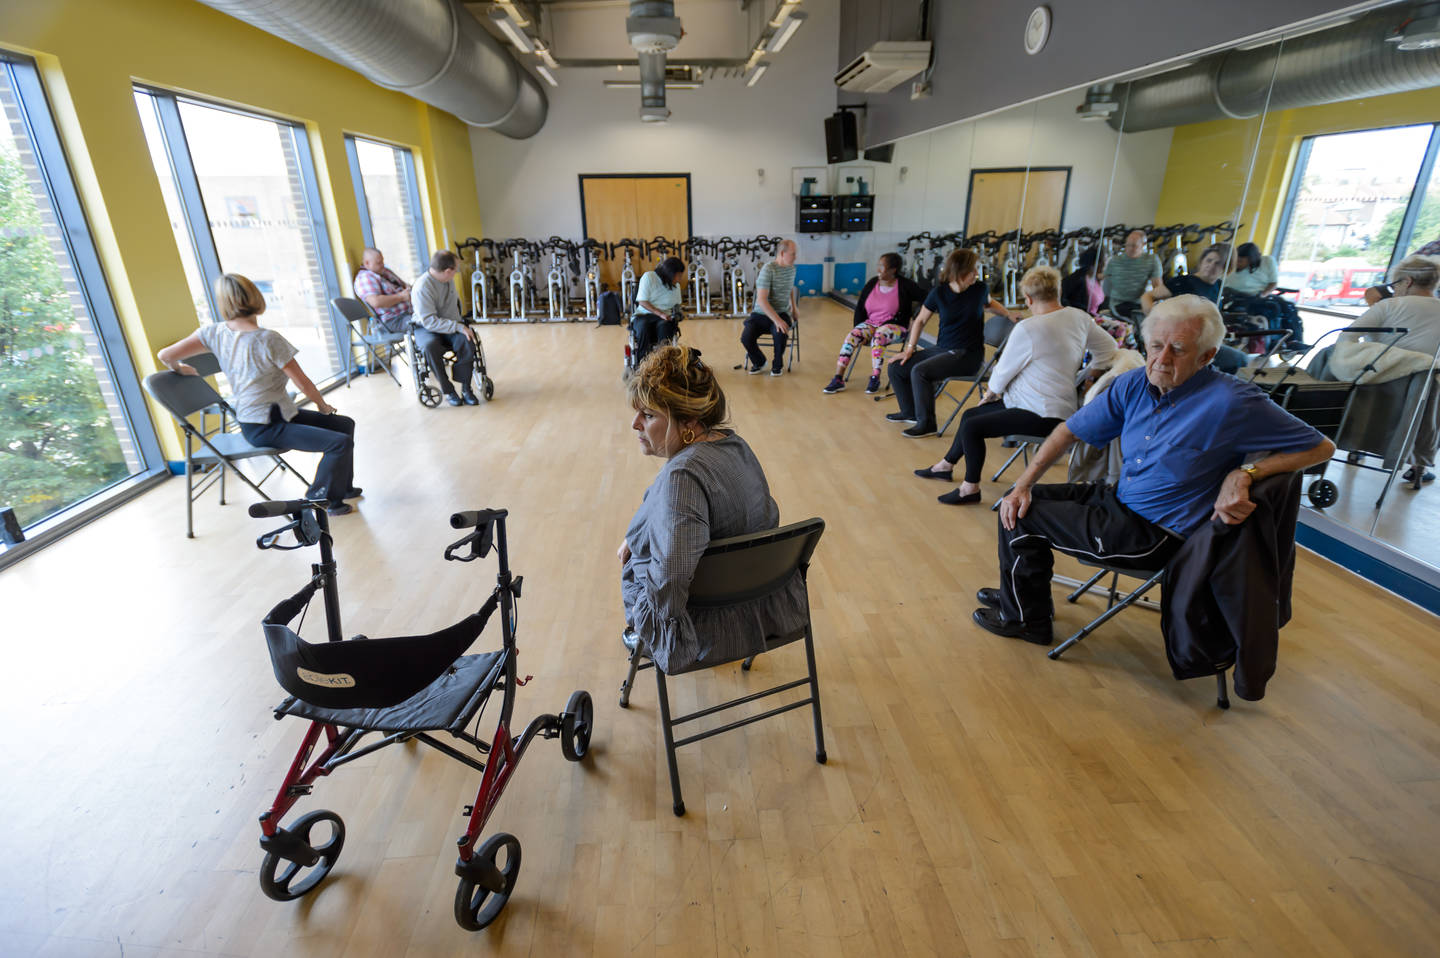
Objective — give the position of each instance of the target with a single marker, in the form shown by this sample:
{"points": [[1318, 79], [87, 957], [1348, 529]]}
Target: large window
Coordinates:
{"points": [[242, 197], [66, 382], [1358, 203], [389, 201]]}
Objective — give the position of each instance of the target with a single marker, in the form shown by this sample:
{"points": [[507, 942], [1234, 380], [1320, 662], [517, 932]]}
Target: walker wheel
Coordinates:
{"points": [[429, 396], [576, 724], [278, 876], [489, 389], [476, 906], [1323, 493]]}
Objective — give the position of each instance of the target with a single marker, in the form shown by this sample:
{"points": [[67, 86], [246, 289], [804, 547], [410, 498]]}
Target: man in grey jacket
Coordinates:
{"points": [[437, 313]]}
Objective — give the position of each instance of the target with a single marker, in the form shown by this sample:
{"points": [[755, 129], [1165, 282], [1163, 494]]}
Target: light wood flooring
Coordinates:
{"points": [[979, 798]]}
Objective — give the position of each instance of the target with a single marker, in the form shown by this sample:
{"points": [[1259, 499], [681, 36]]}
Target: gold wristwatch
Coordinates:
{"points": [[1251, 469]]}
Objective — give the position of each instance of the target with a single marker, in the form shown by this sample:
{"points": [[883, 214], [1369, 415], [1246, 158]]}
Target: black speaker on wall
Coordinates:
{"points": [[841, 140]]}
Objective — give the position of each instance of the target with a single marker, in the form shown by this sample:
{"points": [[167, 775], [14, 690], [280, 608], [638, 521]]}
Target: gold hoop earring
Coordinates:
{"points": [[687, 436]]}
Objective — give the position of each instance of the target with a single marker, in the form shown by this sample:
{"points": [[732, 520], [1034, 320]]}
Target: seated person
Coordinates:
{"points": [[1184, 430], [1032, 387], [1250, 287], [1414, 307], [258, 363], [776, 307], [881, 312], [1083, 291], [710, 487], [657, 306], [1204, 282], [384, 292], [1129, 273], [961, 303], [436, 308]]}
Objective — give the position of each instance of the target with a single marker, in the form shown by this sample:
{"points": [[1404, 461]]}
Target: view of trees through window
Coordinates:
{"points": [[62, 434], [1349, 207]]}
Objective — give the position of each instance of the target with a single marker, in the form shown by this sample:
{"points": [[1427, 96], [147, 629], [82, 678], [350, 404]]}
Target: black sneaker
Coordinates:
{"points": [[778, 371], [992, 620], [835, 385], [755, 370], [899, 417], [454, 400], [918, 430], [339, 508], [873, 386]]}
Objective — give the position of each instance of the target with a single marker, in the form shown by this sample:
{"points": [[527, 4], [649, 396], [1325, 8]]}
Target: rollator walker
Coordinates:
{"points": [[403, 688]]}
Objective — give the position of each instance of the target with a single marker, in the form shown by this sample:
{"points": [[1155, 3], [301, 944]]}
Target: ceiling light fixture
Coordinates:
{"points": [[782, 12], [669, 84], [797, 20], [549, 77], [759, 71], [515, 16], [543, 52], [516, 35]]}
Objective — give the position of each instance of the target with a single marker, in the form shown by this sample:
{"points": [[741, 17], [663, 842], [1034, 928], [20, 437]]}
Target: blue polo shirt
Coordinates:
{"points": [[1179, 447]]}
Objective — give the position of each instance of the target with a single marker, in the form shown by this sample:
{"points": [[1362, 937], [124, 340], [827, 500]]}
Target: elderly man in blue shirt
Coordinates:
{"points": [[1185, 432]]}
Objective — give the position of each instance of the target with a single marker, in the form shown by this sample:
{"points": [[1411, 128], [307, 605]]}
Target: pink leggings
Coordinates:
{"points": [[879, 337]]}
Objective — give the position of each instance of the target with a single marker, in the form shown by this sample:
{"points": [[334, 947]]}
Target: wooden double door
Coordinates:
{"points": [[638, 206], [1001, 200]]}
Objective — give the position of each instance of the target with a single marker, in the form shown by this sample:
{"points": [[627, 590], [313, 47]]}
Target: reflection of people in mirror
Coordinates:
{"points": [[1082, 290], [1251, 287], [1130, 273], [1204, 282]]}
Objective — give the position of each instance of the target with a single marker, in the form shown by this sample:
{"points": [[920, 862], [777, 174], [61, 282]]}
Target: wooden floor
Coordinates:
{"points": [[979, 798]]}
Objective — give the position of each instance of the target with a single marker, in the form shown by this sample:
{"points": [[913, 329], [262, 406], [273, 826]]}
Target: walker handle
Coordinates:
{"points": [[474, 517], [278, 507]]}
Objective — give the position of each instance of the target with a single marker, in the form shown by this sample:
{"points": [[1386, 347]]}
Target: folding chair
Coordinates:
{"points": [[1022, 446], [980, 378], [766, 342], [184, 396], [361, 321], [732, 571]]}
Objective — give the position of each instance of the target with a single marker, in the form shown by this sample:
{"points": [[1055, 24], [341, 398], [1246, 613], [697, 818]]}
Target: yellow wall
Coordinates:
{"points": [[1205, 178], [90, 53]]}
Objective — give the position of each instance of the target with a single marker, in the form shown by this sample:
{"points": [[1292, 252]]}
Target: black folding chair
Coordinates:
{"points": [[1023, 445], [732, 571], [766, 342], [362, 323], [185, 396]]}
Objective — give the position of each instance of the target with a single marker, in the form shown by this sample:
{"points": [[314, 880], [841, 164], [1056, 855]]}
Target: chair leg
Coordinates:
{"points": [[1114, 590], [1107, 615], [1085, 587], [1013, 456], [814, 697], [189, 491], [665, 727], [1222, 694], [745, 666], [629, 682]]}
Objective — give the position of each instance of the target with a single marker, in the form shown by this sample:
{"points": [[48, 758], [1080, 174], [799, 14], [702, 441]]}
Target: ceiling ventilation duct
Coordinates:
{"points": [[654, 30], [432, 50], [1345, 62]]}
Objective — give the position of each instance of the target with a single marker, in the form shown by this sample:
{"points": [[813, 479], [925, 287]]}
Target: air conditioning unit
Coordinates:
{"points": [[884, 66]]}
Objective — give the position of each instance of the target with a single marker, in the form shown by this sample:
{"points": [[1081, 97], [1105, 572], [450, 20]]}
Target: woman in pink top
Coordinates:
{"points": [[882, 314]]}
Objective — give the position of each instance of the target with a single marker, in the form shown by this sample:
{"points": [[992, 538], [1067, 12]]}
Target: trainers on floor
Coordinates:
{"points": [[778, 371], [1426, 476], [918, 430], [339, 508], [454, 400], [873, 386], [835, 385], [899, 417], [755, 370]]}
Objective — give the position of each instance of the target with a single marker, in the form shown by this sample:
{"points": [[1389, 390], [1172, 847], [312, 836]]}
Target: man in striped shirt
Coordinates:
{"points": [[776, 308], [1129, 274]]}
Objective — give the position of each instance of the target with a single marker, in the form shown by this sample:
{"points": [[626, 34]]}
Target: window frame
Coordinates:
{"points": [[53, 163], [411, 185]]}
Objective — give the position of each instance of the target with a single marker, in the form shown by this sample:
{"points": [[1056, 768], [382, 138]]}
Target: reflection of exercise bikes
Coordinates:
{"points": [[427, 390], [404, 689]]}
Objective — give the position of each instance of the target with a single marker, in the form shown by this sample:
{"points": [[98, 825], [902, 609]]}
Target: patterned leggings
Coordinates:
{"points": [[879, 337]]}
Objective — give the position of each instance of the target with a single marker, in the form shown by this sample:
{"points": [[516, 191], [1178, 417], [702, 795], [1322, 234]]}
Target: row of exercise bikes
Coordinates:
{"points": [[506, 275]]}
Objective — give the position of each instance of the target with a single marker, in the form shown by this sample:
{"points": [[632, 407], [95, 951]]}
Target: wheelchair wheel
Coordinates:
{"points": [[284, 880], [576, 724], [476, 906], [429, 396], [1322, 493], [489, 388]]}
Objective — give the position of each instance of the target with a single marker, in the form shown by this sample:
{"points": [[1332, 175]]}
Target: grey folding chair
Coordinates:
{"points": [[362, 323], [208, 453], [1023, 445], [978, 379], [731, 571], [765, 343]]}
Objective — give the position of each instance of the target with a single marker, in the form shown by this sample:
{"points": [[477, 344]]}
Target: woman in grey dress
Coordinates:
{"points": [[710, 487]]}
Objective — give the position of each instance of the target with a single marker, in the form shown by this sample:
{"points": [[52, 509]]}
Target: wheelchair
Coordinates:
{"points": [[426, 390], [404, 689], [677, 316]]}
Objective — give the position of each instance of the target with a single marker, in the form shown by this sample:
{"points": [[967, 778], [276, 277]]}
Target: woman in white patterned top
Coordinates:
{"points": [[710, 487], [259, 363]]}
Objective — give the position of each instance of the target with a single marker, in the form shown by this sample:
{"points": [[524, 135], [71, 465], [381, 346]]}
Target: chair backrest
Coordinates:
{"points": [[205, 364], [747, 567], [351, 310], [182, 396]]}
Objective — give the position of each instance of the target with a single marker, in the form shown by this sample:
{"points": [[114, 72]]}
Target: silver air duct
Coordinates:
{"points": [[1346, 62], [654, 30], [431, 50]]}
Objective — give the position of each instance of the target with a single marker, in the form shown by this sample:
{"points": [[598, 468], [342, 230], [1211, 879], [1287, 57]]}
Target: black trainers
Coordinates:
{"points": [[873, 386], [778, 371], [918, 430], [835, 385], [339, 508], [992, 620], [755, 370], [899, 417]]}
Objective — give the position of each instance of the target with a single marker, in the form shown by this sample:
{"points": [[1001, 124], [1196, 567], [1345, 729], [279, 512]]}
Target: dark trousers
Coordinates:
{"points": [[434, 345], [650, 331], [761, 325], [988, 421], [310, 431], [914, 382], [1081, 519]]}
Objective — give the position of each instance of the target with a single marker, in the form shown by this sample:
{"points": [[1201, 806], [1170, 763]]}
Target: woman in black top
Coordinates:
{"points": [[959, 348]]}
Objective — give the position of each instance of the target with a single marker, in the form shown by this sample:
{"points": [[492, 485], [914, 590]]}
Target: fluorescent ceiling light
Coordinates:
{"points": [[549, 77], [669, 84], [516, 36], [543, 52], [755, 56], [783, 37], [509, 7], [759, 72], [783, 12]]}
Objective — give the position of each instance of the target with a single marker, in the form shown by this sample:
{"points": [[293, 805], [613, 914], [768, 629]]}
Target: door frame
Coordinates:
{"points": [[689, 209], [1069, 172]]}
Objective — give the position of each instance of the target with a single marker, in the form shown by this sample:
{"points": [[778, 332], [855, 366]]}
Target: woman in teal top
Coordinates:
{"points": [[657, 306]]}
